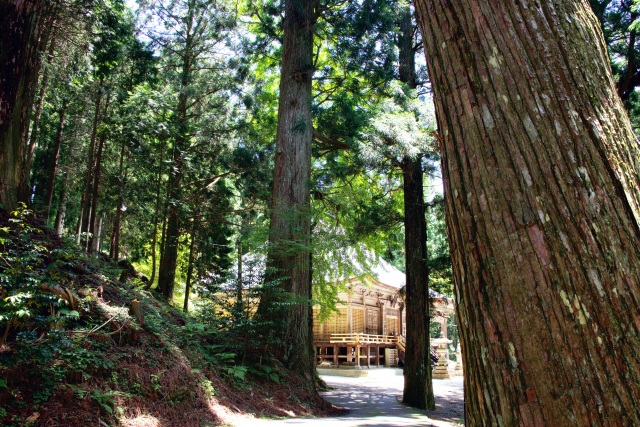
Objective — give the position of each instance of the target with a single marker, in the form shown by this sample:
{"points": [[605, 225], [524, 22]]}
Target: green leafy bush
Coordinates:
{"points": [[26, 280]]}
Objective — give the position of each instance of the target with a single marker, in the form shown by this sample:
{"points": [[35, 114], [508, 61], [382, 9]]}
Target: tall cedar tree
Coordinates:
{"points": [[201, 27], [289, 239], [26, 27], [418, 388], [541, 179]]}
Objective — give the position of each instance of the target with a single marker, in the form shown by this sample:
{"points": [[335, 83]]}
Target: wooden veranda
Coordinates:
{"points": [[358, 349]]}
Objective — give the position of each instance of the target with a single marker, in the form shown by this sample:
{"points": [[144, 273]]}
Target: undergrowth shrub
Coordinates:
{"points": [[237, 343], [26, 271]]}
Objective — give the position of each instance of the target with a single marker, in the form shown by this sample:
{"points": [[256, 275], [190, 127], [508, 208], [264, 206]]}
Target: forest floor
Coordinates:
{"points": [[374, 401]]}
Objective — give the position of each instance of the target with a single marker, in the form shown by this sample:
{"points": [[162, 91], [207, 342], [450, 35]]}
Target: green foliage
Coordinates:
{"points": [[26, 254], [620, 22], [236, 338], [103, 357], [401, 126]]}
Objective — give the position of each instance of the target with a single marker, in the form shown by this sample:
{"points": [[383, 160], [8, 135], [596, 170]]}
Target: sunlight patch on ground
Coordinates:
{"points": [[145, 420]]}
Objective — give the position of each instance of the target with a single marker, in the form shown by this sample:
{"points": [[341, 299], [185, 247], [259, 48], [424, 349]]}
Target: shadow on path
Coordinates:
{"points": [[374, 401]]}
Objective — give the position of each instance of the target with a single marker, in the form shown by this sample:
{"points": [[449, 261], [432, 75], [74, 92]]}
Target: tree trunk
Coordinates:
{"points": [[418, 388], [154, 240], [62, 206], [24, 31], [95, 188], [79, 223], [99, 234], [54, 160], [288, 257], [192, 246], [541, 177], [169, 258], [239, 282], [95, 185], [114, 244], [88, 184]]}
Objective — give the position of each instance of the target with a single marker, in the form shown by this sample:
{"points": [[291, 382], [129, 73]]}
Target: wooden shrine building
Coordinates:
{"points": [[370, 325]]}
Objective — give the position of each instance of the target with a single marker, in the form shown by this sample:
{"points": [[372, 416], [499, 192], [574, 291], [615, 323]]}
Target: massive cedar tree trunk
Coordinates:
{"points": [[25, 28], [541, 178], [288, 258], [418, 389]]}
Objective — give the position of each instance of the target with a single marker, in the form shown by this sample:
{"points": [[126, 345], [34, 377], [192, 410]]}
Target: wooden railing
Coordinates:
{"points": [[362, 338], [401, 342]]}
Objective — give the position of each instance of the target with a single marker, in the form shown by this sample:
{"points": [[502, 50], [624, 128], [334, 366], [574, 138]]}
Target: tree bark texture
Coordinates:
{"points": [[541, 179], [418, 388], [239, 283], [288, 257], [25, 28]]}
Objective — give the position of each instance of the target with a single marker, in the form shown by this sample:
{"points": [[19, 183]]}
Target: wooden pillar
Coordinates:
{"points": [[378, 355], [357, 354], [349, 315], [368, 356], [335, 355]]}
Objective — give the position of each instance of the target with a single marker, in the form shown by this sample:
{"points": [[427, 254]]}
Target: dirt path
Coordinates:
{"points": [[373, 401]]}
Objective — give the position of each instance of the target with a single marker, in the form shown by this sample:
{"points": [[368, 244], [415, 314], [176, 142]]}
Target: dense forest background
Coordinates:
{"points": [[150, 135], [157, 128], [153, 127]]}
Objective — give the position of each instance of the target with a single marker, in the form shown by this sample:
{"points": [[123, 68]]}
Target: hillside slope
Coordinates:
{"points": [[72, 355]]}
